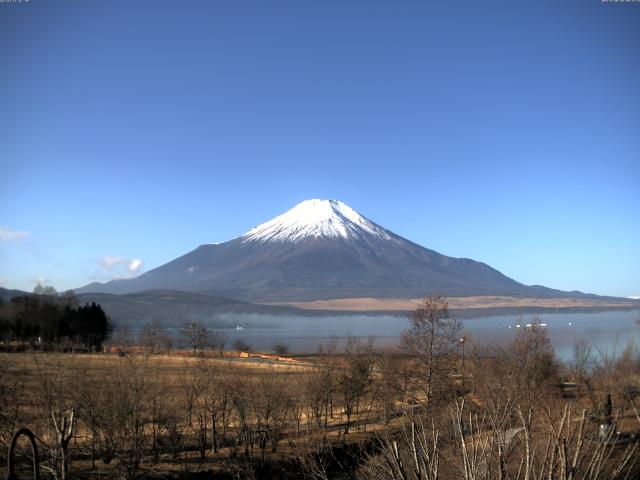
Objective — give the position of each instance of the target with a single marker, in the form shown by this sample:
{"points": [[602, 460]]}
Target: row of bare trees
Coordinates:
{"points": [[525, 416], [154, 338], [514, 418], [129, 412], [534, 446]]}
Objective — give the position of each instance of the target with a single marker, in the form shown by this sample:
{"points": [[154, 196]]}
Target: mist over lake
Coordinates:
{"points": [[608, 332]]}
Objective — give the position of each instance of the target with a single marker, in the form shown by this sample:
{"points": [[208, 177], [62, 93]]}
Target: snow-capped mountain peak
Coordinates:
{"points": [[313, 219]]}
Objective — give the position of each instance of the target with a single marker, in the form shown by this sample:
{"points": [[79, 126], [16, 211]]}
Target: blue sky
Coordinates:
{"points": [[508, 132]]}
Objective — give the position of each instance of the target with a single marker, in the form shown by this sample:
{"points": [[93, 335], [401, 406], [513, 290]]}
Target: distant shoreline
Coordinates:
{"points": [[464, 307], [505, 311], [468, 313]]}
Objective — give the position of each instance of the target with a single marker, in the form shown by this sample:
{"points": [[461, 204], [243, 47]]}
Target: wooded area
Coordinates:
{"points": [[48, 321]]}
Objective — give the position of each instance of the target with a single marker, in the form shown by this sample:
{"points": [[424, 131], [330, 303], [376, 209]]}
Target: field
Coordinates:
{"points": [[508, 411], [175, 403], [460, 303]]}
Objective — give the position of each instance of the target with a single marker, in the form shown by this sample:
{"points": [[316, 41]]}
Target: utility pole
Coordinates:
{"points": [[462, 343]]}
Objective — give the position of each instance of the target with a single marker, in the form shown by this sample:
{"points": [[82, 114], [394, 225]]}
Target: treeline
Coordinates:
{"points": [[46, 318], [137, 410]]}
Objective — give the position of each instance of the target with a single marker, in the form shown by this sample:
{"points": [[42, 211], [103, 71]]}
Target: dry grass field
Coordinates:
{"points": [[457, 303], [173, 396], [511, 411]]}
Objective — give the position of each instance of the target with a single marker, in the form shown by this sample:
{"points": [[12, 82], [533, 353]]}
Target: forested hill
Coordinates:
{"points": [[46, 318]]}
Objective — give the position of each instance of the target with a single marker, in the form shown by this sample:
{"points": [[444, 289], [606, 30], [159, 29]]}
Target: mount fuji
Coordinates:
{"points": [[322, 249]]}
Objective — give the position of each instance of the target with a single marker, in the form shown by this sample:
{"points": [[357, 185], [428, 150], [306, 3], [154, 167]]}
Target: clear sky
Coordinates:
{"points": [[508, 132]]}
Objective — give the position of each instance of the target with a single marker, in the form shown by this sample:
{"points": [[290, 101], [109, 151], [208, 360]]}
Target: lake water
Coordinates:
{"points": [[607, 332]]}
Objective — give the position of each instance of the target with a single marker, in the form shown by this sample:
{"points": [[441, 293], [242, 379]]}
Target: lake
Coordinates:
{"points": [[607, 332]]}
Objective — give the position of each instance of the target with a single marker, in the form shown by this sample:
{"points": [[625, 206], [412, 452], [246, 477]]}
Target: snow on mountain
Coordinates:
{"points": [[316, 218], [322, 249]]}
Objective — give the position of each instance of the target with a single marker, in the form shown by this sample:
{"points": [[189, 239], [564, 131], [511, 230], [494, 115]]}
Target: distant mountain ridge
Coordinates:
{"points": [[173, 308], [7, 294], [322, 249]]}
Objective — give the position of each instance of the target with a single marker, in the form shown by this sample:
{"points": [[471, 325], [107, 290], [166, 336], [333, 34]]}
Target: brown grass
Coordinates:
{"points": [[455, 303]]}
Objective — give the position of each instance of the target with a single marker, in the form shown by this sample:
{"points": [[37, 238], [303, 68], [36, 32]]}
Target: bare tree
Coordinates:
{"points": [[43, 291], [320, 388], [280, 348], [149, 337], [218, 400], [533, 362], [122, 339], [391, 382], [270, 407], [242, 395], [197, 401], [583, 360], [355, 377], [59, 402], [562, 447], [241, 346], [121, 414], [432, 339], [218, 342], [167, 343], [413, 454], [195, 335]]}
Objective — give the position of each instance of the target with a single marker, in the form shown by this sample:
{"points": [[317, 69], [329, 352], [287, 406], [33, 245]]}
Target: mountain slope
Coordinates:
{"points": [[322, 249], [6, 295]]}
